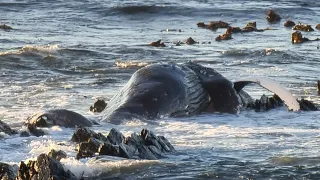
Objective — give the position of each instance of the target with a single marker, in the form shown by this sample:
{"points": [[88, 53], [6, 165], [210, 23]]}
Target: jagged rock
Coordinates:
{"points": [[58, 155], [190, 41], [7, 172], [83, 134], [109, 149], [146, 145], [88, 149], [306, 105], [115, 137], [302, 27], [24, 134], [266, 103], [289, 24], [6, 129], [157, 44], [272, 16], [226, 36], [44, 167], [98, 106]]}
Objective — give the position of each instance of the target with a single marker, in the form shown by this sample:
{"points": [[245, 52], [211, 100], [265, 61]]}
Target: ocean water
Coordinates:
{"points": [[67, 54]]}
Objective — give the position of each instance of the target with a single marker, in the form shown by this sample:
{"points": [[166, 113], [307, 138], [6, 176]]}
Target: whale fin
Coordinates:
{"points": [[272, 86]]}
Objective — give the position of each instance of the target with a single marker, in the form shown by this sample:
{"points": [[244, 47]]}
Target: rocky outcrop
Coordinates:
{"points": [[143, 146], [272, 17], [7, 172], [297, 38], [289, 23], [157, 44], [6, 129], [44, 167], [190, 41], [266, 103], [98, 106], [226, 36], [302, 27], [58, 155], [307, 105], [318, 26], [213, 25]]}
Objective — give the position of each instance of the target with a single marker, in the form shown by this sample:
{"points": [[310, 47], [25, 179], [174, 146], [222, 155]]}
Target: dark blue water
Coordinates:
{"points": [[66, 54]]}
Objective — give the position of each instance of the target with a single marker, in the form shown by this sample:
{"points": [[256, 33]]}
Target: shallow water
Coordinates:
{"points": [[67, 54]]}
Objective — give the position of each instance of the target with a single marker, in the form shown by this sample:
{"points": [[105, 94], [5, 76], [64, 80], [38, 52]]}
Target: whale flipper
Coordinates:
{"points": [[271, 85]]}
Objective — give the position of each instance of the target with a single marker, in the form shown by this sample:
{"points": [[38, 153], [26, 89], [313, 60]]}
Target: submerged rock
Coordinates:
{"points": [[302, 27], [144, 146], [297, 38], [272, 17], [44, 167], [226, 36], [5, 27], [157, 44], [6, 129], [306, 105], [318, 86], [289, 23], [318, 26], [190, 41], [7, 172], [213, 25], [98, 106]]}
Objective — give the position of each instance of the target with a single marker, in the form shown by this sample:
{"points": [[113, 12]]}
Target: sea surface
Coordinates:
{"points": [[67, 54]]}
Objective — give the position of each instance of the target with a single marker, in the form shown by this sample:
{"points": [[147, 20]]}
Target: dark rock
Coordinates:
{"points": [[98, 106], [289, 24], [155, 151], [58, 155], [44, 167], [318, 86], [213, 25], [272, 17], [190, 41], [157, 44], [302, 27], [6, 129], [235, 29], [165, 143], [202, 25], [145, 153], [88, 149], [150, 138], [297, 38], [109, 149], [115, 137], [83, 134], [123, 151], [226, 36], [35, 131], [318, 26], [5, 27], [24, 134], [306, 105], [7, 172]]}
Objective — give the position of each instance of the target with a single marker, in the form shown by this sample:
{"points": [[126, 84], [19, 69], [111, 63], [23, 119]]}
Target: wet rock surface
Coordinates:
{"points": [[98, 106], [272, 17], [318, 26], [157, 44], [144, 146], [318, 83], [226, 36], [302, 27], [6, 129], [289, 23], [44, 167], [297, 38], [7, 172], [58, 155], [266, 103], [213, 25], [5, 27]]}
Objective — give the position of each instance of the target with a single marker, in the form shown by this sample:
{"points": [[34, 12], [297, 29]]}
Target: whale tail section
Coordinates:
{"points": [[290, 101]]}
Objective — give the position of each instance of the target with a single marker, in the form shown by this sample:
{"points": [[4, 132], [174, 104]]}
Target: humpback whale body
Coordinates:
{"points": [[175, 90]]}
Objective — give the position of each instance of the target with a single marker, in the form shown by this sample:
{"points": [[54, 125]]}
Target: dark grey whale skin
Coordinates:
{"points": [[58, 117], [158, 90]]}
